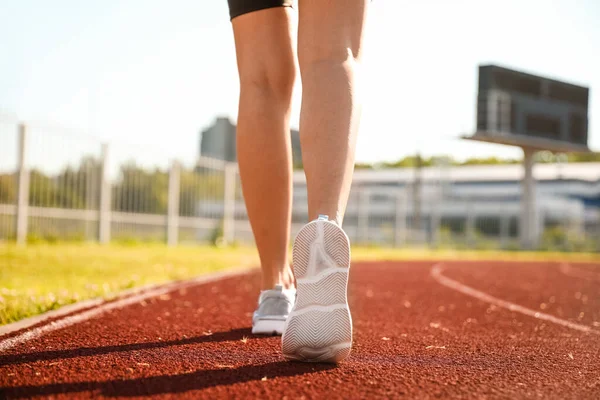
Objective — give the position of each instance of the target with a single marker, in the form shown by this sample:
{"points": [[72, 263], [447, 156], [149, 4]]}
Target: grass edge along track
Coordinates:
{"points": [[43, 277]]}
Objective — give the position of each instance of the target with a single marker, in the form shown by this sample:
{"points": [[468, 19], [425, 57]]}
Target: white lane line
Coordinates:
{"points": [[36, 319], [75, 308], [436, 273], [103, 308], [568, 270]]}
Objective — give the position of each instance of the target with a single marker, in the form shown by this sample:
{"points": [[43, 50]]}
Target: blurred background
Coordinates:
{"points": [[117, 124]]}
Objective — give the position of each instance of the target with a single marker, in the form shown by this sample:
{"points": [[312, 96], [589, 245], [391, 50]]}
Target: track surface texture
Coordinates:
{"points": [[414, 337]]}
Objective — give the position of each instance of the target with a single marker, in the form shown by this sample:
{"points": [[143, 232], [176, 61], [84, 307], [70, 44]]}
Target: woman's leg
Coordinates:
{"points": [[329, 52], [266, 60], [319, 327]]}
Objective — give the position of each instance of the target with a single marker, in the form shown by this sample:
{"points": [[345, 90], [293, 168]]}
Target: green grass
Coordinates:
{"points": [[425, 254], [41, 277]]}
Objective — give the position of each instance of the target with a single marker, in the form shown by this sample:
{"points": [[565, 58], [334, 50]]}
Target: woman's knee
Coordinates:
{"points": [[274, 77], [330, 32]]}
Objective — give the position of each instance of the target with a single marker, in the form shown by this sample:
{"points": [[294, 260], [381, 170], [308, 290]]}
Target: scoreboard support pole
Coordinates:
{"points": [[535, 113], [528, 226]]}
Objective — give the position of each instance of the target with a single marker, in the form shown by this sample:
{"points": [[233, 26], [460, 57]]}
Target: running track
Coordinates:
{"points": [[421, 330]]}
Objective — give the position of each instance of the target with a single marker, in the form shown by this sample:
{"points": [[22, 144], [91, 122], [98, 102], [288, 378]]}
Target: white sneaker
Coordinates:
{"points": [[319, 327], [273, 309]]}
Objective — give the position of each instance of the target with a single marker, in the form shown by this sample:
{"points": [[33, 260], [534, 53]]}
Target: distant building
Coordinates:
{"points": [[488, 194], [462, 202], [219, 141]]}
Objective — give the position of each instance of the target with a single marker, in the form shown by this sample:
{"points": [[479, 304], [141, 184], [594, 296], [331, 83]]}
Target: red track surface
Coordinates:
{"points": [[413, 337]]}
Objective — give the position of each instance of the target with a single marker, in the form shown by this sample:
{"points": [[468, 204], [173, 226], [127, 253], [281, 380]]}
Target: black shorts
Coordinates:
{"points": [[239, 7]]}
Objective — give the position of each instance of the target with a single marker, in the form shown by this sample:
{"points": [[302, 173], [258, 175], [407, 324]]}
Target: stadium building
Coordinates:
{"points": [[484, 198]]}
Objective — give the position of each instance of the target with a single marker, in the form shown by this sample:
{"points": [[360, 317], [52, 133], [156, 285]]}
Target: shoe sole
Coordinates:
{"points": [[268, 327], [319, 327]]}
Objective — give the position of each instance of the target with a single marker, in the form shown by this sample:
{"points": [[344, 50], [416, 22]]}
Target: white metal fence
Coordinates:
{"points": [[59, 186], [56, 186]]}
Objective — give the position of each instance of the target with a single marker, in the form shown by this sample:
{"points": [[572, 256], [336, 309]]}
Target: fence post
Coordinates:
{"points": [[91, 197], [577, 223], [470, 223], [539, 227], [400, 237], [435, 216], [363, 215], [173, 204], [504, 230], [23, 187], [229, 202], [104, 211]]}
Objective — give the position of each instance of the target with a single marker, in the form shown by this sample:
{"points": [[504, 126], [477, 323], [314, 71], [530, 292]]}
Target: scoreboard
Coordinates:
{"points": [[514, 107]]}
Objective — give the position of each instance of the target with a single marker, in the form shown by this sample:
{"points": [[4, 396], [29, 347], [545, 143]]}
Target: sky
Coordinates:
{"points": [[149, 75]]}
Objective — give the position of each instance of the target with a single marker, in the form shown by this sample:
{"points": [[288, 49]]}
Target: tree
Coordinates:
{"points": [[8, 189], [584, 157], [141, 191], [199, 185], [73, 187], [488, 161]]}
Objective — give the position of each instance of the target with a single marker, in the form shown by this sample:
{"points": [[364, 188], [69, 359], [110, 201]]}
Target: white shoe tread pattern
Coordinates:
{"points": [[319, 328]]}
